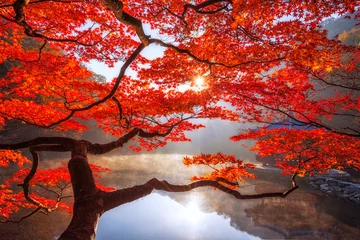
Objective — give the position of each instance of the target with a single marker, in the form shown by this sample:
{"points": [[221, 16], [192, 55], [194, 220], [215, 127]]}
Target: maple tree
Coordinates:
{"points": [[269, 60]]}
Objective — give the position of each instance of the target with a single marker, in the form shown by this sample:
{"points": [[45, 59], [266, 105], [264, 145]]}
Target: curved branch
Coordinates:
{"points": [[109, 96], [38, 58], [27, 180], [33, 33], [37, 142], [59, 121], [116, 7], [165, 186], [144, 134], [37, 125], [318, 77], [64, 144], [113, 90], [22, 218], [51, 148], [118, 104], [306, 122], [122, 196], [206, 61], [317, 124], [98, 149], [19, 6], [197, 8]]}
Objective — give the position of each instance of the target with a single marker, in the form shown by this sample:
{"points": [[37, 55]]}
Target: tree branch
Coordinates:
{"points": [[113, 90], [116, 7], [27, 180], [197, 8], [98, 149], [40, 141], [122, 196], [206, 61], [36, 60], [165, 186], [33, 33], [109, 96], [22, 218]]}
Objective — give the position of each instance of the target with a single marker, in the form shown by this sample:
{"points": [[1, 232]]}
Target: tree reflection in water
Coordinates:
{"points": [[308, 216], [203, 213], [301, 209], [192, 210], [160, 217]]}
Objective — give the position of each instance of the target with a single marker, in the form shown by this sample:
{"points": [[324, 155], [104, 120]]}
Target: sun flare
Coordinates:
{"points": [[192, 212], [195, 84], [199, 81]]}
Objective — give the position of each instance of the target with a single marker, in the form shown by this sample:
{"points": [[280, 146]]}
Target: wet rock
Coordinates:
{"points": [[357, 195], [331, 193], [338, 174], [344, 196], [332, 183], [314, 186], [350, 189], [320, 182], [324, 187], [335, 174], [337, 183], [355, 200], [343, 184]]}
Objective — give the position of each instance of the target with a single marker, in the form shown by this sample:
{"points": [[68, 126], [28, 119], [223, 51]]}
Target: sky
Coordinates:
{"points": [[150, 52]]}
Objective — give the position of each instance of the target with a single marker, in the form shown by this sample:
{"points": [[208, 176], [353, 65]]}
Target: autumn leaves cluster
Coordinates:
{"points": [[264, 63]]}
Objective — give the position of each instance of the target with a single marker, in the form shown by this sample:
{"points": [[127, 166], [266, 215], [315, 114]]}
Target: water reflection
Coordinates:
{"points": [[191, 211], [202, 213], [160, 217], [305, 214]]}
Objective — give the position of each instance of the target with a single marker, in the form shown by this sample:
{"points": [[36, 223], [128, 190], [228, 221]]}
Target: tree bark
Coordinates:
{"points": [[88, 205]]}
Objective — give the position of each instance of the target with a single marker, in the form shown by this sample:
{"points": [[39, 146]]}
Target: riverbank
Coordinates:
{"points": [[334, 183], [306, 213]]}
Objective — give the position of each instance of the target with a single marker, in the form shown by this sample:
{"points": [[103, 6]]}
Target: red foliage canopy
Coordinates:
{"points": [[268, 60]]}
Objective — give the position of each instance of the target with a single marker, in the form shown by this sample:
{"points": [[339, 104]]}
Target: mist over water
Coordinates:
{"points": [[163, 215], [207, 214]]}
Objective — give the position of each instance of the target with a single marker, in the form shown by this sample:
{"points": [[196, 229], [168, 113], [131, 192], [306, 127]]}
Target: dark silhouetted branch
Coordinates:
{"points": [[121, 196], [22, 218], [116, 7], [206, 61]]}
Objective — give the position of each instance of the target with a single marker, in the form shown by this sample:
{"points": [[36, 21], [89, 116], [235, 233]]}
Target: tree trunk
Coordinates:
{"points": [[84, 222], [88, 205]]}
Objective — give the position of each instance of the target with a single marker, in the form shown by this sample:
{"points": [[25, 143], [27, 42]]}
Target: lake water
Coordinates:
{"points": [[208, 214], [202, 213]]}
